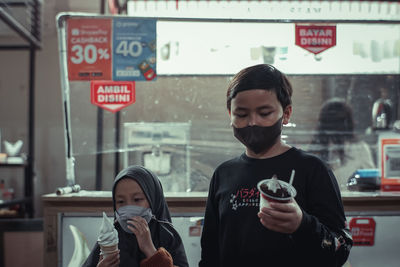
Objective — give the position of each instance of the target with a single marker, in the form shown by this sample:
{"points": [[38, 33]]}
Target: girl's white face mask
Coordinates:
{"points": [[125, 213]]}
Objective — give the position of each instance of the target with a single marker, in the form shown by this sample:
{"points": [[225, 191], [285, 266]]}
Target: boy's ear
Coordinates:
{"points": [[229, 112], [287, 113]]}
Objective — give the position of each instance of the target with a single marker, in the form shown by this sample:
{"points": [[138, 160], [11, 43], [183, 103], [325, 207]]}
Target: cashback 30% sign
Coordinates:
{"points": [[88, 54], [89, 46]]}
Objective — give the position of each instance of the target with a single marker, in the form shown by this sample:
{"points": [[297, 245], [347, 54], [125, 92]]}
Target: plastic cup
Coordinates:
{"points": [[267, 197]]}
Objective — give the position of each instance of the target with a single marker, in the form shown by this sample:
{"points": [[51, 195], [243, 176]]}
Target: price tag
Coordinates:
{"points": [[134, 49], [89, 49]]}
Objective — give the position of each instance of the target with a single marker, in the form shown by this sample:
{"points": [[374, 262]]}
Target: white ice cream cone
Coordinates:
{"points": [[106, 250]]}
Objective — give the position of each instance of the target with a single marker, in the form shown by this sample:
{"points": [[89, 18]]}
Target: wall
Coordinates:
{"points": [[29, 246]]}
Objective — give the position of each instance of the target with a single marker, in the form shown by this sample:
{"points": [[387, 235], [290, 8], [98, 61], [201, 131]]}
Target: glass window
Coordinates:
{"points": [[179, 125]]}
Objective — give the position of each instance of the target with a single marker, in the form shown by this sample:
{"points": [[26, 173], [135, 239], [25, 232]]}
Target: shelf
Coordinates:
{"points": [[8, 165], [21, 224], [16, 201], [30, 32]]}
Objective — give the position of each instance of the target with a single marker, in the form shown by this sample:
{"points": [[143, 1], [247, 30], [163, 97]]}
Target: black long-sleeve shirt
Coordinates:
{"points": [[233, 235]]}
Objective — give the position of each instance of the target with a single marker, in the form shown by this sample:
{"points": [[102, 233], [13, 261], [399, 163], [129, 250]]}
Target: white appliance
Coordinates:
{"points": [[163, 148]]}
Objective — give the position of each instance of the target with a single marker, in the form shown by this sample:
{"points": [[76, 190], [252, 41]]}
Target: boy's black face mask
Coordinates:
{"points": [[259, 138]]}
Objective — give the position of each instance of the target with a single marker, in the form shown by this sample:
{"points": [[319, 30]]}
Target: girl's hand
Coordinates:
{"points": [[141, 229], [281, 217], [112, 260]]}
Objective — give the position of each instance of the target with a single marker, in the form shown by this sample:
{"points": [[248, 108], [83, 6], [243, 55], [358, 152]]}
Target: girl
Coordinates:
{"points": [[146, 235]]}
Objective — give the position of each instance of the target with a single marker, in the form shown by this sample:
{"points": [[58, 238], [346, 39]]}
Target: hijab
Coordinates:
{"points": [[162, 232], [151, 187]]}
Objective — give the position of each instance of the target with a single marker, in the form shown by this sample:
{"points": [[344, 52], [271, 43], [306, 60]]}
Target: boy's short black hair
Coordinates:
{"points": [[262, 76]]}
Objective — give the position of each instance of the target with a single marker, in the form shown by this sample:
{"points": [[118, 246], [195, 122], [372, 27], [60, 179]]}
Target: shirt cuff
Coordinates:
{"points": [[304, 229], [160, 258]]}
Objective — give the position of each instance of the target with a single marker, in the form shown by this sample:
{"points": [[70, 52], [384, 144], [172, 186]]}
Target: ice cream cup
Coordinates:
{"points": [[106, 250], [266, 197]]}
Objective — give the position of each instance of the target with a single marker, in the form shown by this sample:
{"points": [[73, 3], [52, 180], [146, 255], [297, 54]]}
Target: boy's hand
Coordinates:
{"points": [[281, 217]]}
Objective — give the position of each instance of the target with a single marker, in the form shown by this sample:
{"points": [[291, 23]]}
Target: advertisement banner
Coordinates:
{"points": [[134, 49], [89, 49], [315, 38], [112, 96]]}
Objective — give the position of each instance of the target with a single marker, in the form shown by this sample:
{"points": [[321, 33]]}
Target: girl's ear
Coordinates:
{"points": [[287, 113]]}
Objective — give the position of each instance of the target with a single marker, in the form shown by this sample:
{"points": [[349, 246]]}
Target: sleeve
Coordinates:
{"points": [[178, 252], [161, 258], [172, 242], [323, 233], [93, 258], [209, 236]]}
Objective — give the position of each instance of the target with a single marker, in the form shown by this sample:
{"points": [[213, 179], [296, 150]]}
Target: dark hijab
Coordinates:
{"points": [[162, 232], [151, 187]]}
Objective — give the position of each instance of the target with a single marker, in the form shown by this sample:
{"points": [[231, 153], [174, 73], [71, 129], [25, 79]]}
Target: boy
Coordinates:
{"points": [[307, 231]]}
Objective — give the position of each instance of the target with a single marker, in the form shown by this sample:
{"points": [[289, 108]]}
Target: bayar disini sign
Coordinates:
{"points": [[112, 96], [315, 38]]}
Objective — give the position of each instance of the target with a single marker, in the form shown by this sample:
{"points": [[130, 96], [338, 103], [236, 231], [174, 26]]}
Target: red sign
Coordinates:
{"points": [[315, 38], [89, 49], [195, 230], [112, 96], [389, 182], [363, 231]]}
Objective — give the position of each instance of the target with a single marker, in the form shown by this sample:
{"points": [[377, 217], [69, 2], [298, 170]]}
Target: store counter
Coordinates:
{"points": [[88, 205], [93, 203]]}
